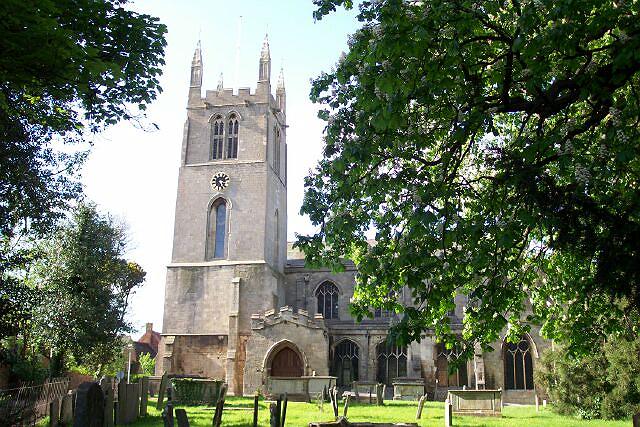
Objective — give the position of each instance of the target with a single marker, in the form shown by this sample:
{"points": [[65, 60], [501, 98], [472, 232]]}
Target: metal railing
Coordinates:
{"points": [[26, 404]]}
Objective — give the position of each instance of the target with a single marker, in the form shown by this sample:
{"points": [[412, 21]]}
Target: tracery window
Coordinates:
{"points": [[518, 366], [217, 139], [217, 229], [345, 363], [327, 295], [392, 362], [232, 137], [446, 378]]}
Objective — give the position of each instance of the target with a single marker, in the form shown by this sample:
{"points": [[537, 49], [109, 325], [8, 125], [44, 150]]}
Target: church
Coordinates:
{"points": [[241, 305]]}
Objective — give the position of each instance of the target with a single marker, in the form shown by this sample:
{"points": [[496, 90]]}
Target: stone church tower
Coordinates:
{"points": [[229, 244]]}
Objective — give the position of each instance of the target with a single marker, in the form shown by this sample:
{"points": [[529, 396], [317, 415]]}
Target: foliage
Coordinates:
{"points": [[24, 366], [602, 384], [84, 286], [68, 68], [147, 364], [493, 148]]}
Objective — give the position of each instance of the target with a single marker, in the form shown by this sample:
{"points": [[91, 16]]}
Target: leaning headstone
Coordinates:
{"points": [[162, 390], [636, 420], [181, 417], [133, 403], [54, 413], [448, 413], [66, 410], [346, 405], [144, 395], [420, 406], [217, 416], [167, 415], [273, 412], [89, 406]]}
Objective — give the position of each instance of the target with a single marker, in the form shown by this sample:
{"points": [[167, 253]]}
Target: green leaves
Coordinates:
{"points": [[494, 149]]}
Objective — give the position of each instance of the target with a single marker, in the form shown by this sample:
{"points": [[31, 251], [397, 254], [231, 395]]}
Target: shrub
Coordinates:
{"points": [[603, 384]]}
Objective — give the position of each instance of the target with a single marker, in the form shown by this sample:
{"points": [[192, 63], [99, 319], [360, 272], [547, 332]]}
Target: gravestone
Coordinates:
{"points": [[380, 394], [121, 409], [162, 390], [108, 406], [420, 406], [346, 405], [144, 395], [181, 417], [255, 410], [167, 415], [66, 410], [89, 406], [448, 413], [54, 413], [636, 420]]}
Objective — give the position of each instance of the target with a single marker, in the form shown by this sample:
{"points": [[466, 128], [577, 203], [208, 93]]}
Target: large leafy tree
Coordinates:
{"points": [[493, 146], [83, 285], [68, 69]]}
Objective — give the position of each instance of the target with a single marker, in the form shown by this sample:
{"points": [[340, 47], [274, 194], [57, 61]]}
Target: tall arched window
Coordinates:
{"points": [[518, 366], [276, 243], [217, 138], [327, 294], [232, 137], [446, 378], [276, 149], [217, 229], [345, 363], [392, 362]]}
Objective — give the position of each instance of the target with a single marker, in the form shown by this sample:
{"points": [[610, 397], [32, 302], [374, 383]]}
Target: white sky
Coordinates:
{"points": [[133, 174]]}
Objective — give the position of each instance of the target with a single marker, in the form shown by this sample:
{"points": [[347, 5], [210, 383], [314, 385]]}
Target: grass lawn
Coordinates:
{"points": [[300, 414]]}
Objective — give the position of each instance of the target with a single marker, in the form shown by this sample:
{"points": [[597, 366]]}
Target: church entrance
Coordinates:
{"points": [[392, 362], [286, 363]]}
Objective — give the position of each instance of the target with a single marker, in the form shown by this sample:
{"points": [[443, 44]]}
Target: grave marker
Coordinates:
{"points": [[181, 417], [448, 413], [89, 406], [167, 415], [54, 413], [144, 396], [162, 390], [420, 406], [66, 412]]}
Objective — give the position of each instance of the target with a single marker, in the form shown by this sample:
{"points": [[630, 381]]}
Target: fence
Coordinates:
{"points": [[30, 402]]}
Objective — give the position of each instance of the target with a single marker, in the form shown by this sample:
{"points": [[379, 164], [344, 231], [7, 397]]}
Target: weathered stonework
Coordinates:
{"points": [[238, 313]]}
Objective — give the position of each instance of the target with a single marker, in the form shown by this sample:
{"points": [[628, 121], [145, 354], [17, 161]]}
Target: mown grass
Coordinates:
{"points": [[300, 414]]}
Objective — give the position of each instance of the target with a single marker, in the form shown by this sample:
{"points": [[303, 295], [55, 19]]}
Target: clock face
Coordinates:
{"points": [[220, 181]]}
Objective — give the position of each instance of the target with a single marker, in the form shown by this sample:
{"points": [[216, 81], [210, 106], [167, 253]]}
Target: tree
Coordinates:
{"points": [[493, 147], [68, 69], [84, 286], [147, 364], [603, 384]]}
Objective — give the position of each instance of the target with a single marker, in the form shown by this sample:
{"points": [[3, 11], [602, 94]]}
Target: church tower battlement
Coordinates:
{"points": [[229, 242]]}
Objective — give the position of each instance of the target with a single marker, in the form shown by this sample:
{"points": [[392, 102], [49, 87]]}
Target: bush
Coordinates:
{"points": [[604, 384]]}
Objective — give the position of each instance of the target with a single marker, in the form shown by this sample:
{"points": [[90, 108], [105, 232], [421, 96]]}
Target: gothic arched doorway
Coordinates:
{"points": [[286, 363], [345, 363], [446, 378], [518, 365], [392, 362]]}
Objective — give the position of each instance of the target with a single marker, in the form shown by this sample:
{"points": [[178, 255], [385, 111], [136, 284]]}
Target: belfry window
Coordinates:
{"points": [[276, 150], [327, 294], [217, 139], [232, 137], [216, 237], [518, 366]]}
